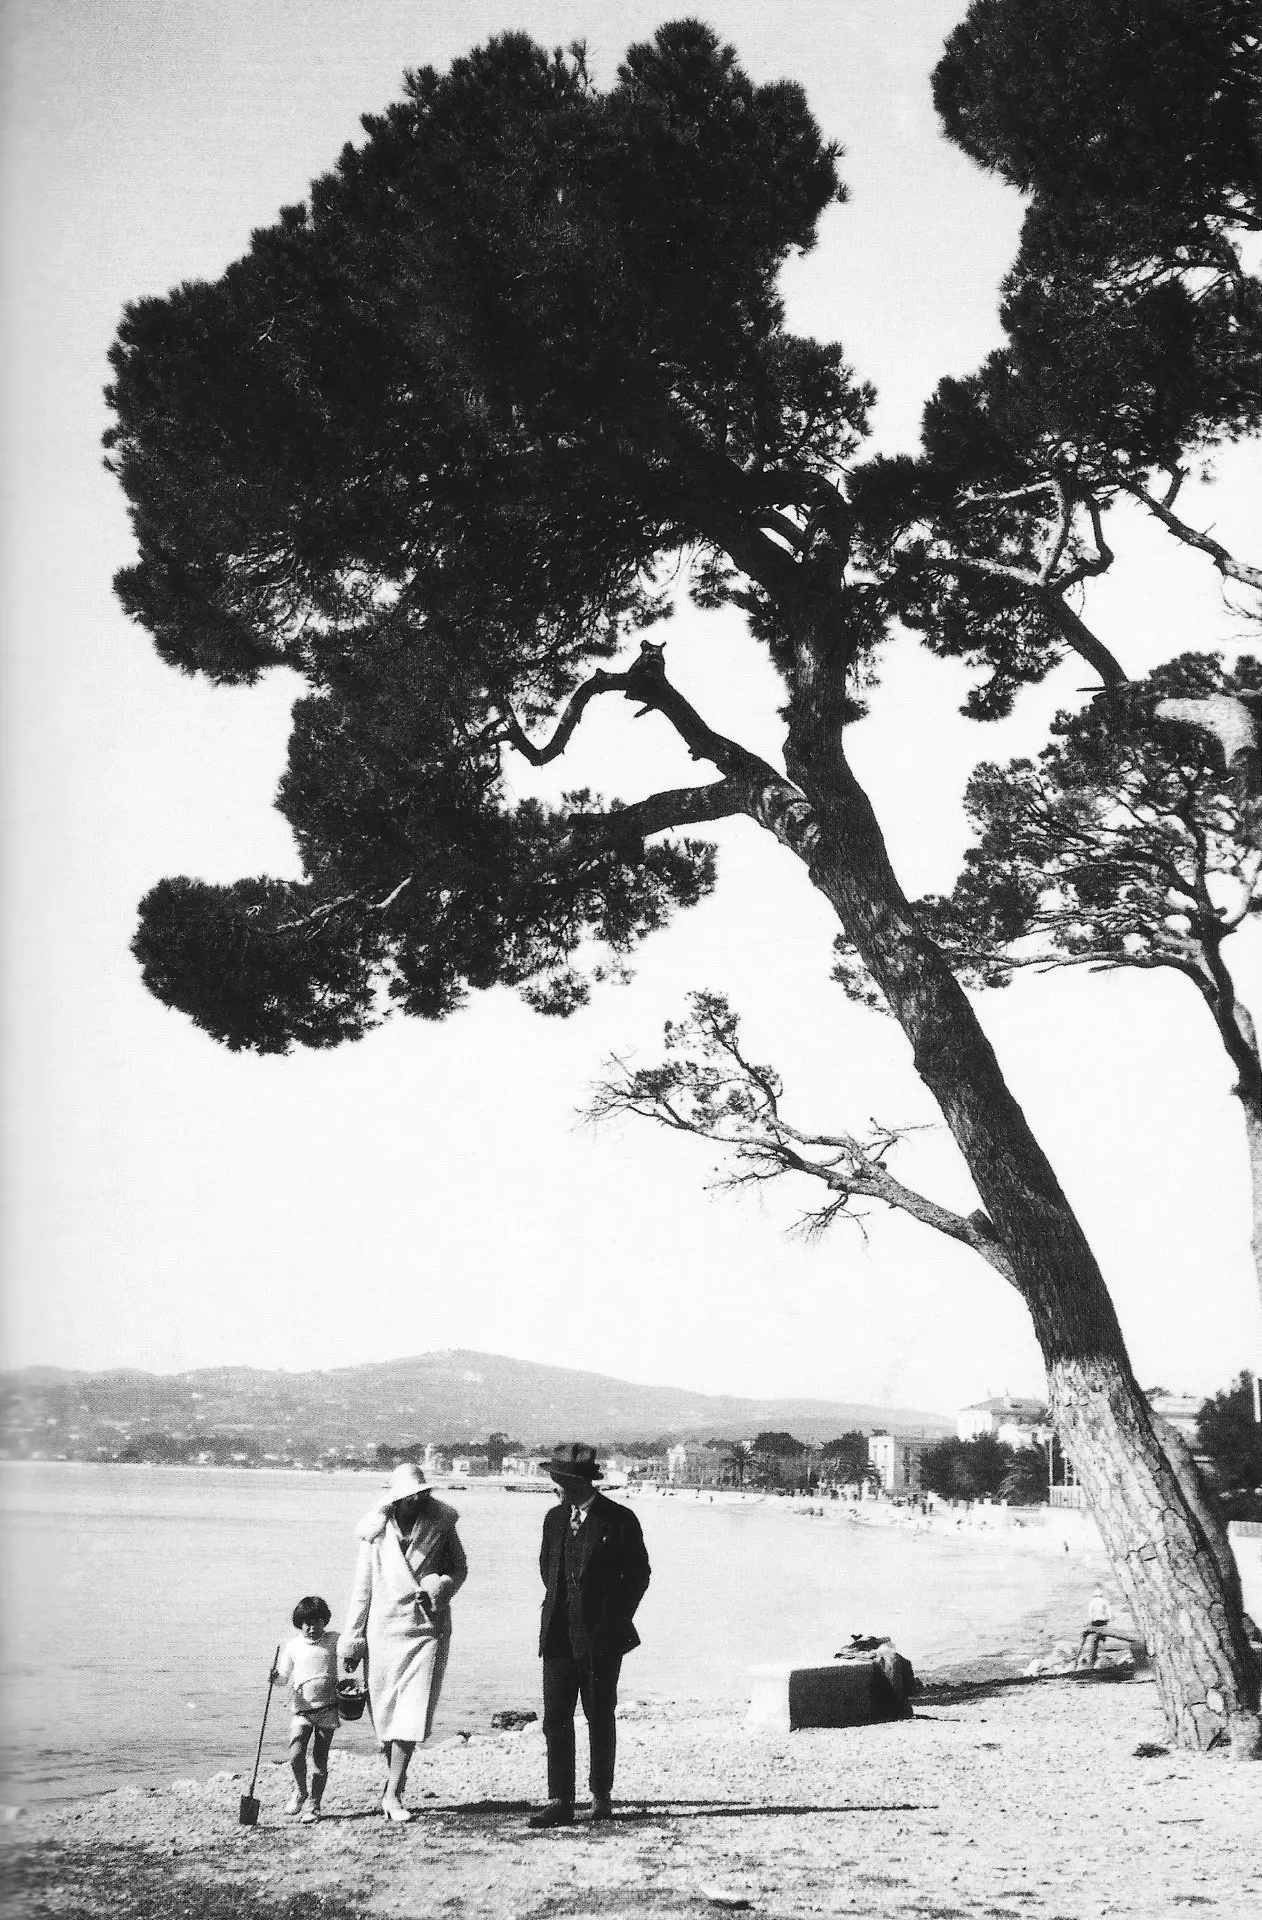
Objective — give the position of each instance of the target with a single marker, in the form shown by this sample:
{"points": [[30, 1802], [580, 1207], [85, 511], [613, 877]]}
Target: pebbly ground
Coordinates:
{"points": [[1001, 1798]]}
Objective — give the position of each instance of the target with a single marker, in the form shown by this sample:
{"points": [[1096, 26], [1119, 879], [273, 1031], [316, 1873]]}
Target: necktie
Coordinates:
{"points": [[576, 1520]]}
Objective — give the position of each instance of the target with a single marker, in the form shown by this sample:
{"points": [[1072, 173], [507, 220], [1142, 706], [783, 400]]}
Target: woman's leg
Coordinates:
{"points": [[399, 1761]]}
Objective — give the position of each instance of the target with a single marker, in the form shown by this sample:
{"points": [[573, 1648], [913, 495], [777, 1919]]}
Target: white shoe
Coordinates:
{"points": [[296, 1802], [310, 1814], [395, 1809]]}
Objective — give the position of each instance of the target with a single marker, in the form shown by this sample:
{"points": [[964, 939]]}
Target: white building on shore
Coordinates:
{"points": [[1017, 1422], [897, 1462]]}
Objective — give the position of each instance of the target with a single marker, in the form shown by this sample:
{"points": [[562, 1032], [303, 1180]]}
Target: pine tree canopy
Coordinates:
{"points": [[1134, 330], [1120, 845], [441, 438], [432, 442], [1155, 112]]}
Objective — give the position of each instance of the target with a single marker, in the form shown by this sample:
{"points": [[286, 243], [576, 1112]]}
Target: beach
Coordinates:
{"points": [[1049, 1797], [1014, 1788], [193, 1574]]}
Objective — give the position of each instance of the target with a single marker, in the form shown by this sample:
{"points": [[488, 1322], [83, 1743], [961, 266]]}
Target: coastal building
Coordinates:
{"points": [[692, 1464], [641, 1466], [524, 1466], [1017, 1422], [897, 1462]]}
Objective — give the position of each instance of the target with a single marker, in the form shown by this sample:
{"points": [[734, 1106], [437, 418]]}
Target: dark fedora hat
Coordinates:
{"points": [[575, 1460]]}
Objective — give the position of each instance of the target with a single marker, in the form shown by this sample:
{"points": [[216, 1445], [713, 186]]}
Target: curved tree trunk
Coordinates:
{"points": [[1190, 1615], [1253, 1130], [1239, 1036], [1159, 1547], [1187, 1473]]}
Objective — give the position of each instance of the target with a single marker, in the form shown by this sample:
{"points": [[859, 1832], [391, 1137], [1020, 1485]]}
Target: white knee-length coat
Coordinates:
{"points": [[406, 1645]]}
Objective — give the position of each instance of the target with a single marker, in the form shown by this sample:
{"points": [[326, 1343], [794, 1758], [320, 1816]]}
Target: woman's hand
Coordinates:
{"points": [[351, 1660]]}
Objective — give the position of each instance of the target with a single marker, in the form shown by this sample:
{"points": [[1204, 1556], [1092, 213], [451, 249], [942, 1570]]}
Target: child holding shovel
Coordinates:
{"points": [[308, 1667]]}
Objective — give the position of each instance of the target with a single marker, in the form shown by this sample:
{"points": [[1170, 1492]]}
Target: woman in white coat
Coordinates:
{"points": [[410, 1564]]}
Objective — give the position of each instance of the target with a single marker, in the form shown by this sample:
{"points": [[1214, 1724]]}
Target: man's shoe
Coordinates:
{"points": [[557, 1813], [602, 1809]]}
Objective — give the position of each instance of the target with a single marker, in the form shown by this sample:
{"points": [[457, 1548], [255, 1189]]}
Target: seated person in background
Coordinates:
{"points": [[1095, 1631]]}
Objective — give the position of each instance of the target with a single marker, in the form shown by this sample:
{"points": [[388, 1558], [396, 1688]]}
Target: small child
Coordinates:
{"points": [[308, 1667]]}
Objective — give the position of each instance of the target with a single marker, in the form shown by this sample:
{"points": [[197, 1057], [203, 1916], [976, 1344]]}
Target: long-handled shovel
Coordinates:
{"points": [[249, 1813]]}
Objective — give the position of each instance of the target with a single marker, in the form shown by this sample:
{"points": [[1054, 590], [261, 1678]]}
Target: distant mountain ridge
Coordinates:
{"points": [[452, 1395]]}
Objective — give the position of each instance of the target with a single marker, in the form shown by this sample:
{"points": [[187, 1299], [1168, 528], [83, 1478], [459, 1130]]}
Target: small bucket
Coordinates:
{"points": [[351, 1700]]}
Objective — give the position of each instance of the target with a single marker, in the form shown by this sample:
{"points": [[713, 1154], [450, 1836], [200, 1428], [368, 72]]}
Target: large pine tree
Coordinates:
{"points": [[434, 441]]}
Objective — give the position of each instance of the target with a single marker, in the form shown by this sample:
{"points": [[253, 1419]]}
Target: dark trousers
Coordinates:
{"points": [[566, 1681]]}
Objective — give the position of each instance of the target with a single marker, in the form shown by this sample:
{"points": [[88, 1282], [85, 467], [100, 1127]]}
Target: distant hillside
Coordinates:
{"points": [[434, 1396]]}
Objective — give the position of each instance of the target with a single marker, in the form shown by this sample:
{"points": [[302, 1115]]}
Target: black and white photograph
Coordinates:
{"points": [[632, 947]]}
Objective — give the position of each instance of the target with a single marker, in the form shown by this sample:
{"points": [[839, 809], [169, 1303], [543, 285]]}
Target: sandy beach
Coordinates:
{"points": [[170, 1700], [1015, 1789], [1001, 1797]]}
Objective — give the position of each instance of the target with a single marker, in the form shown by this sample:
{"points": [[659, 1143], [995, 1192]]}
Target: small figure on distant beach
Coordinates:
{"points": [[410, 1565], [1096, 1630], [307, 1665], [595, 1572]]}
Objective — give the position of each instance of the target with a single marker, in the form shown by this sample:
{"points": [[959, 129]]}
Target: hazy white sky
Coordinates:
{"points": [[169, 1205]]}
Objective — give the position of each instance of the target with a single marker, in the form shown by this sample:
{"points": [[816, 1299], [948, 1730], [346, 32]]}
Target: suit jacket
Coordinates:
{"points": [[612, 1578]]}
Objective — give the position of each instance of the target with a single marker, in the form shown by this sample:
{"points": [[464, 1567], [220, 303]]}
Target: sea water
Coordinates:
{"points": [[140, 1607]]}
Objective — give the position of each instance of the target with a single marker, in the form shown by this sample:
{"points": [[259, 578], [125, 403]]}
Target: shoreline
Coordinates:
{"points": [[1052, 1797], [34, 1779], [984, 1556]]}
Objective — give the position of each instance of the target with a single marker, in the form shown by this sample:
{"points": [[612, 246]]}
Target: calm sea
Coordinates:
{"points": [[139, 1607]]}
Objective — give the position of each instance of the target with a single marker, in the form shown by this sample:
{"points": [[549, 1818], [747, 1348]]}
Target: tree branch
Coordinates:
{"points": [[677, 807], [600, 682], [1079, 636], [1100, 561], [1061, 539], [769, 798], [1225, 561], [708, 1088]]}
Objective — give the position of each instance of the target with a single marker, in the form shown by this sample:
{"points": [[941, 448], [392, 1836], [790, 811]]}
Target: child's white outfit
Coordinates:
{"points": [[309, 1669]]}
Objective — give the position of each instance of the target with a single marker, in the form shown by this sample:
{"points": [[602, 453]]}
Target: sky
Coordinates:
{"points": [[168, 1205]]}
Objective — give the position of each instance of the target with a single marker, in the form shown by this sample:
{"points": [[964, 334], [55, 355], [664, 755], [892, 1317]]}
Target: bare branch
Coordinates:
{"points": [[1224, 561], [780, 523], [1079, 636], [600, 682], [1061, 538], [379, 906], [708, 1088], [752, 785], [972, 499], [677, 807], [1101, 560], [317, 914]]}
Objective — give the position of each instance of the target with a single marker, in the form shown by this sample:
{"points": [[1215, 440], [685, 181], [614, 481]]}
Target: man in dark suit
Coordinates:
{"points": [[595, 1571]]}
